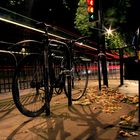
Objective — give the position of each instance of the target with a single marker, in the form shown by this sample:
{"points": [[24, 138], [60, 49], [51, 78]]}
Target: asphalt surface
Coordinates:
{"points": [[78, 122]]}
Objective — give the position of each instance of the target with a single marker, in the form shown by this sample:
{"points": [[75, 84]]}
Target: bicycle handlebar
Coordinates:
{"points": [[45, 26], [81, 38], [76, 40]]}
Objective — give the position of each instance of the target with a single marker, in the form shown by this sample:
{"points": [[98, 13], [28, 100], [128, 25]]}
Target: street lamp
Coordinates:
{"points": [[108, 31]]}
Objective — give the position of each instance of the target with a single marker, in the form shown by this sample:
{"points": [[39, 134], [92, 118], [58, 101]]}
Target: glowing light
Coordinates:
{"points": [[90, 9], [109, 31], [90, 2], [21, 25], [28, 27]]}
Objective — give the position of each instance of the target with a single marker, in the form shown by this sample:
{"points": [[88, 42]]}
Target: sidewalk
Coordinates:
{"points": [[82, 121]]}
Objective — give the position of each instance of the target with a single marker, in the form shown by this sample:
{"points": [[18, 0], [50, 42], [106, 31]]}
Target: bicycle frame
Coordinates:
{"points": [[64, 72]]}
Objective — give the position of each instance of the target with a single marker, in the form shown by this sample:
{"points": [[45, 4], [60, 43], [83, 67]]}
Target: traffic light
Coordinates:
{"points": [[92, 9]]}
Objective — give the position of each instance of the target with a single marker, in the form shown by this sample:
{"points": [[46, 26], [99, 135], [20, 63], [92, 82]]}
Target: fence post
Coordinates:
{"points": [[121, 66]]}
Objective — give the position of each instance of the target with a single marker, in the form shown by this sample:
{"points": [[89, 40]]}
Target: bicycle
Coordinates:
{"points": [[35, 77], [78, 72]]}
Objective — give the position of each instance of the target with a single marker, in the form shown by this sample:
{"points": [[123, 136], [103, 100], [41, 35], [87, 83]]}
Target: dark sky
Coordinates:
{"points": [[55, 12], [134, 14]]}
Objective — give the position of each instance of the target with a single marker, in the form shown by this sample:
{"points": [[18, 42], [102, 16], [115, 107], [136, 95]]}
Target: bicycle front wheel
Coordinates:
{"points": [[28, 86], [79, 79]]}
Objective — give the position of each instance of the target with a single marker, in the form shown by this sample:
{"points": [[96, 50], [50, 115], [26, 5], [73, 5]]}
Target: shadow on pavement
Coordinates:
{"points": [[72, 123], [6, 107]]}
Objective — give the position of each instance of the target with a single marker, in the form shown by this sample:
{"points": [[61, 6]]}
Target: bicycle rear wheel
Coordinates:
{"points": [[79, 79], [28, 86]]}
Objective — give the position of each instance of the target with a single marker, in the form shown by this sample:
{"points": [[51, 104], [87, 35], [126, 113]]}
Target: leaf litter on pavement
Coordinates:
{"points": [[109, 100]]}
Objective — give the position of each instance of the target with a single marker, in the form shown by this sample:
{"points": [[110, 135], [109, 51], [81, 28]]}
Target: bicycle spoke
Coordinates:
{"points": [[28, 90]]}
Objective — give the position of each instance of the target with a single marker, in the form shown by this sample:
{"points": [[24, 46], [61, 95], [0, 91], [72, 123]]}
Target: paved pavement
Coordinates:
{"points": [[78, 122]]}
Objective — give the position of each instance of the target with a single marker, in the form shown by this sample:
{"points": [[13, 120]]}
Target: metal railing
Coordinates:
{"points": [[8, 62]]}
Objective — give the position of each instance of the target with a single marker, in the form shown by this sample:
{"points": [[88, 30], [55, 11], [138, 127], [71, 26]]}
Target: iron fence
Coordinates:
{"points": [[7, 65]]}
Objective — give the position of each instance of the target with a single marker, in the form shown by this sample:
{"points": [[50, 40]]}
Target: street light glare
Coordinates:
{"points": [[109, 31]]}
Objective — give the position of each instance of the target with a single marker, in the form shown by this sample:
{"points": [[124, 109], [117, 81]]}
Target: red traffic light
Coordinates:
{"points": [[90, 2]]}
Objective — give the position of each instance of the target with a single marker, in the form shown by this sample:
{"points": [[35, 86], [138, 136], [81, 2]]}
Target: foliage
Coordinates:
{"points": [[15, 2], [117, 14], [81, 19], [114, 41], [114, 16]]}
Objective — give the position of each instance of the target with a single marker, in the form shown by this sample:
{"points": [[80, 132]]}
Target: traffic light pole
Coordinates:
{"points": [[102, 45], [94, 8]]}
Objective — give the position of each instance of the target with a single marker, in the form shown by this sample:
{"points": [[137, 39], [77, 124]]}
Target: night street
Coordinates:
{"points": [[70, 70]]}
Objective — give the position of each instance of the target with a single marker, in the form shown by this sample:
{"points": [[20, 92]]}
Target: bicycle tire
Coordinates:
{"points": [[28, 88], [79, 79]]}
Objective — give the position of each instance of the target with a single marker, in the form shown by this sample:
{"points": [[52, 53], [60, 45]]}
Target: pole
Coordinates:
{"points": [[139, 99], [121, 66], [99, 47], [102, 45], [99, 73], [138, 58]]}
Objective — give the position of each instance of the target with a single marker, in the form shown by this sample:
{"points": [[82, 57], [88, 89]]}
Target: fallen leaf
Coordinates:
{"points": [[135, 99], [124, 133], [133, 133]]}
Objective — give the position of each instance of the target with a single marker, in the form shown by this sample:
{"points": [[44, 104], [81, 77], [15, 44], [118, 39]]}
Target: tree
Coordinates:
{"points": [[117, 13], [115, 40], [81, 19], [114, 15]]}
